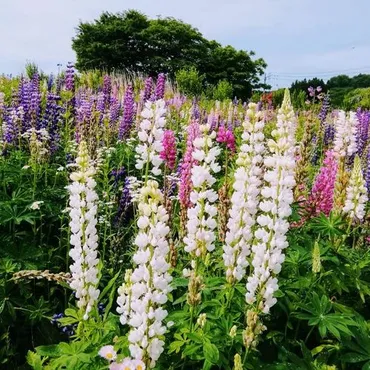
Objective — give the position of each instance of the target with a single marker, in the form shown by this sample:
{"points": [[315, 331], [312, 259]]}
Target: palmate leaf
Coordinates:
{"points": [[317, 313], [330, 226]]}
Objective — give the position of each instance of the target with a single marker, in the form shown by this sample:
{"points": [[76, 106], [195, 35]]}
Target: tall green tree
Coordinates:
{"points": [[131, 42]]}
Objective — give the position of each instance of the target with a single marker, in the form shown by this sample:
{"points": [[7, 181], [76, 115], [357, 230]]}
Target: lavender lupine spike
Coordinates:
{"points": [[107, 90], [160, 87], [114, 111], [324, 110], [195, 112], [10, 128], [70, 77], [25, 101], [362, 130], [128, 113], [100, 106], [148, 89], [124, 203], [51, 119]]}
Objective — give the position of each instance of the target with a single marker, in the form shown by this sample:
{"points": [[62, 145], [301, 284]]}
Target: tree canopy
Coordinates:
{"points": [[131, 42]]}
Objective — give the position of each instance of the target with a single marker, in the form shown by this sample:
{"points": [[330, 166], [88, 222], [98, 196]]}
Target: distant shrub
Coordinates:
{"points": [[223, 90], [358, 98], [189, 82]]}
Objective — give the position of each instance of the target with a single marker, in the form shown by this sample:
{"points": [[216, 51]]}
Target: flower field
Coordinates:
{"points": [[143, 229]]}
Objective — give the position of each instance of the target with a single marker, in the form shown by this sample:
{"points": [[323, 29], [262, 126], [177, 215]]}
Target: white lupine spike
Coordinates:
{"points": [[150, 134], [245, 198], [84, 238], [345, 134], [145, 290], [201, 222], [275, 207], [356, 194]]}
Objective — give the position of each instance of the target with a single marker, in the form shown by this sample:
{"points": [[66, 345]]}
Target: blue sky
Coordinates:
{"points": [[297, 38]]}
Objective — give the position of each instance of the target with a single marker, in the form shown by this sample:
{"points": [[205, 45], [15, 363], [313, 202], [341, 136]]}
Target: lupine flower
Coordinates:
{"points": [[128, 114], [148, 89], [322, 194], [84, 238], [363, 118], [69, 330], [245, 197], [145, 291], [324, 110], [345, 134], [107, 90], [114, 111], [168, 154], [226, 137], [159, 89], [201, 222], [70, 78], [185, 185], [356, 197], [151, 136], [118, 175], [124, 203], [275, 205]]}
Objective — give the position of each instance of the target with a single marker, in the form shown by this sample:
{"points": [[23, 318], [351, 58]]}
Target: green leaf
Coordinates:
{"points": [[210, 352], [51, 351], [109, 285]]}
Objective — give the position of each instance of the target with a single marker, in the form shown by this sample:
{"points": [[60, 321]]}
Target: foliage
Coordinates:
{"points": [[130, 42], [189, 82], [321, 318]]}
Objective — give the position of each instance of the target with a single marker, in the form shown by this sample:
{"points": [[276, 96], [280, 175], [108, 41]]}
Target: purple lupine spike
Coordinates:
{"points": [[148, 89], [52, 119], [70, 77], [128, 114], [25, 93], [107, 89], [10, 127], [118, 175], [114, 110], [124, 203], [84, 108], [195, 112], [362, 136], [160, 87], [100, 106], [329, 134], [324, 110]]}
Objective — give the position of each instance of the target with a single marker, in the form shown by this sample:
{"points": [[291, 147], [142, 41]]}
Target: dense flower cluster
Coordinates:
{"points": [[356, 196], [145, 290], [345, 134], [84, 238], [201, 223], [188, 162], [322, 194], [168, 154], [245, 198], [151, 136], [275, 207]]}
